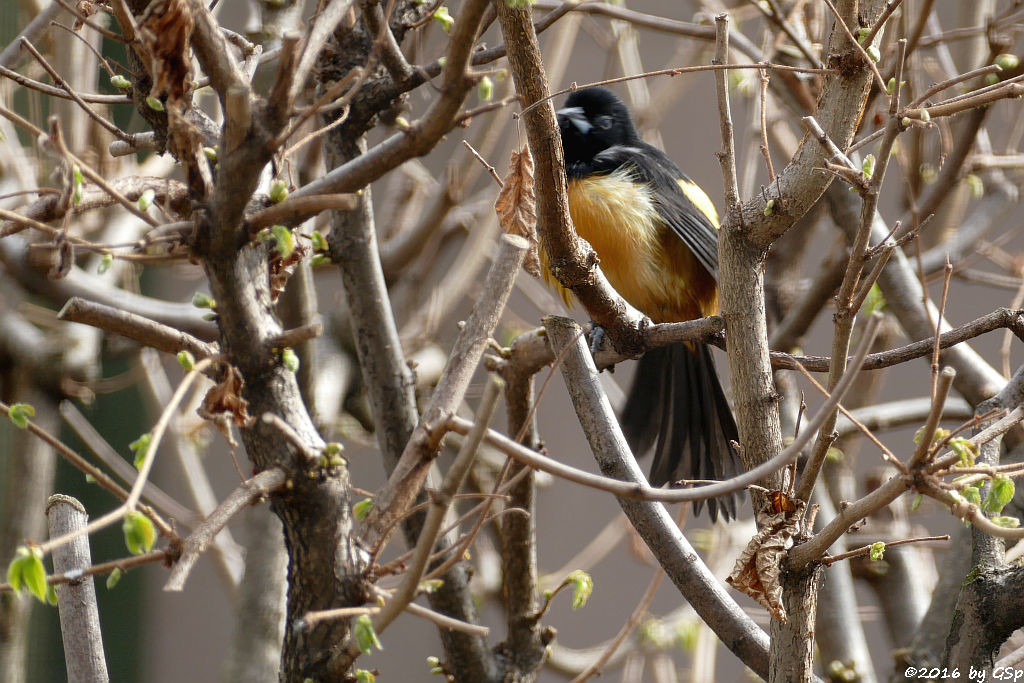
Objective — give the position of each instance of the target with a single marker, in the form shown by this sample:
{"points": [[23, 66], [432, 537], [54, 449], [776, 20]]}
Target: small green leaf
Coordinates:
{"points": [[290, 359], [1006, 522], [431, 585], [916, 504], [687, 632], [972, 494], [20, 414], [862, 35], [1007, 61], [106, 261], [333, 448], [839, 671], [976, 186], [873, 54], [929, 174], [120, 82], [867, 167], [485, 89], [211, 154], [444, 17], [26, 570], [51, 594], [364, 676], [89, 479], [78, 184], [965, 450], [926, 115], [203, 300], [769, 208], [999, 494], [284, 241], [278, 191], [319, 260], [146, 199], [14, 576], [186, 360], [139, 533], [890, 86], [655, 632], [154, 103], [874, 301], [939, 435], [362, 508], [319, 241], [139, 448], [877, 551], [583, 586], [366, 636], [114, 578]]}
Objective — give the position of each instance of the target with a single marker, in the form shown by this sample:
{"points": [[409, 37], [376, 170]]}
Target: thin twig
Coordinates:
{"points": [[860, 48], [490, 169], [727, 157], [635, 491], [765, 151], [133, 326], [938, 326], [887, 454], [148, 459], [406, 592], [206, 532], [59, 80], [942, 386], [829, 560]]}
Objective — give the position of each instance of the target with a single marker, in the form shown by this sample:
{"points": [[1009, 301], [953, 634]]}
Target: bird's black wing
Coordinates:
{"points": [[652, 166]]}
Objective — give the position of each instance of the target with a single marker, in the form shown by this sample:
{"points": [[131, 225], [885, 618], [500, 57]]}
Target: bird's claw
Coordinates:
{"points": [[596, 337]]}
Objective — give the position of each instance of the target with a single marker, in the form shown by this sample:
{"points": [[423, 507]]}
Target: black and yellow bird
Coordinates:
{"points": [[656, 234]]}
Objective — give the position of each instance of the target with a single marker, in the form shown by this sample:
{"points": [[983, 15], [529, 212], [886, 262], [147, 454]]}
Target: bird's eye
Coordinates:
{"points": [[603, 122]]}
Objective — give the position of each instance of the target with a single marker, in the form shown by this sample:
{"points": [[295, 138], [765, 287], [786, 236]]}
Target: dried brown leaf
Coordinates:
{"points": [[224, 400], [759, 566], [165, 29], [517, 206], [282, 269], [85, 9]]}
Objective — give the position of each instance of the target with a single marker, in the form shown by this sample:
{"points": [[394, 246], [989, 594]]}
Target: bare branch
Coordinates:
{"points": [[199, 540]]}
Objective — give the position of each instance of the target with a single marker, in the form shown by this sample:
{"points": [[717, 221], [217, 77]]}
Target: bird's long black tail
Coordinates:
{"points": [[677, 405]]}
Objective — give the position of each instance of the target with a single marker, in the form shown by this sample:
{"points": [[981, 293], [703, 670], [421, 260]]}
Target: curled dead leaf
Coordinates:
{"points": [[757, 571], [164, 30], [224, 403], [282, 269], [517, 206]]}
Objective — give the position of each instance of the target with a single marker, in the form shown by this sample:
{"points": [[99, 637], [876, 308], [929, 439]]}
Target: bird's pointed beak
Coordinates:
{"points": [[574, 116]]}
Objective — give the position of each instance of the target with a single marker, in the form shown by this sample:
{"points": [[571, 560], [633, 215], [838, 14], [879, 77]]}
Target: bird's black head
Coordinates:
{"points": [[591, 121]]}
